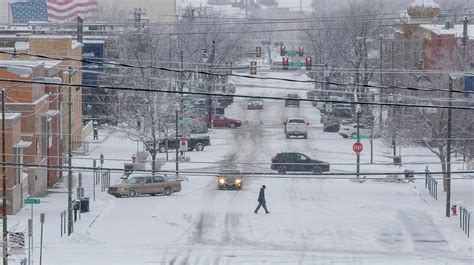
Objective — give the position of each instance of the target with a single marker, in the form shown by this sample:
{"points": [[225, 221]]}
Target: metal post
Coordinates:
{"points": [[93, 179], [358, 140], [448, 151], [41, 238], [30, 243], [4, 185], [394, 109], [69, 178], [178, 144], [61, 215]]}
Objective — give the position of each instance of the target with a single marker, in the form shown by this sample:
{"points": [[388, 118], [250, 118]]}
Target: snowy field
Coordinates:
{"points": [[312, 221]]}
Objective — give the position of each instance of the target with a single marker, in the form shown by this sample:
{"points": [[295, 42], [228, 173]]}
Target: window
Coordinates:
{"points": [[135, 180], [158, 179], [148, 180], [49, 130], [302, 157], [296, 121], [17, 159]]}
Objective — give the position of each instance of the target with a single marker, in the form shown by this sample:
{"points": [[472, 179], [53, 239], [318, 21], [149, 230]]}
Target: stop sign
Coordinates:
{"points": [[357, 147]]}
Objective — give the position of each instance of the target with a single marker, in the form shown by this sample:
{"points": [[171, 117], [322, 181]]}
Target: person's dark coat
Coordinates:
{"points": [[261, 195]]}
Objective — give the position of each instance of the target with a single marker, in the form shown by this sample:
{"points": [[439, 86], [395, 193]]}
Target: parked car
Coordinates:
{"points": [[297, 162], [292, 100], [195, 143], [296, 127], [255, 103], [220, 121], [229, 180], [331, 125], [351, 131], [142, 185]]}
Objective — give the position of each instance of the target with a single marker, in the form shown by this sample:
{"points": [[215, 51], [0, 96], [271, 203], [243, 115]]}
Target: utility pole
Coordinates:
{"points": [[181, 74], [69, 176], [80, 28], [210, 82], [381, 82], [464, 41], [394, 109], [4, 186], [178, 144], [301, 6], [448, 150]]}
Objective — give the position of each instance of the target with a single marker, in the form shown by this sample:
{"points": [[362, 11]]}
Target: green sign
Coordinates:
{"points": [[291, 53], [32, 201], [362, 136], [295, 64]]}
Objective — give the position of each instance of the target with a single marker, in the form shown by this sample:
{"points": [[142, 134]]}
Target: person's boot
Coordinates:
{"points": [[255, 211]]}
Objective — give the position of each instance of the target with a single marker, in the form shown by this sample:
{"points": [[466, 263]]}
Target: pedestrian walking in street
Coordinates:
{"points": [[261, 200]]}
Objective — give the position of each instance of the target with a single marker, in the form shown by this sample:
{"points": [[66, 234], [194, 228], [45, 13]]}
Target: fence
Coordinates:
{"points": [[464, 220], [431, 184]]}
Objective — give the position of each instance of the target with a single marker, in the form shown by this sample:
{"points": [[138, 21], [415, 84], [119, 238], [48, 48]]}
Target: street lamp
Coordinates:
{"points": [[22, 72]]}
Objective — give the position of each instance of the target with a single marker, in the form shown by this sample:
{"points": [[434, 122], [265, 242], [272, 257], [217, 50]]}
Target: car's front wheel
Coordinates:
{"points": [[344, 135], [199, 147], [282, 169], [317, 170], [232, 125], [132, 193], [168, 191]]}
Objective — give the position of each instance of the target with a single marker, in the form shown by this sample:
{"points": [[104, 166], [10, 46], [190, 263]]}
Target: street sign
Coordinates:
{"points": [[32, 201], [357, 147], [183, 144]]}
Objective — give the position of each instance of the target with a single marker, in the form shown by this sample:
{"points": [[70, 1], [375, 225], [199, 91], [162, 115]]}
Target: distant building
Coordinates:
{"points": [[155, 11]]}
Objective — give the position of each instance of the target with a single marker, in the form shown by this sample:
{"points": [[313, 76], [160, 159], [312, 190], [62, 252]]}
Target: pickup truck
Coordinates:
{"points": [[296, 127], [195, 142]]}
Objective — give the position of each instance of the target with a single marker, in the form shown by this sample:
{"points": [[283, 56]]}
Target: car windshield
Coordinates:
{"points": [[296, 121]]}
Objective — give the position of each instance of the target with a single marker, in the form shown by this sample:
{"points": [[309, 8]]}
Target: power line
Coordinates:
{"points": [[432, 106], [240, 76], [256, 174]]}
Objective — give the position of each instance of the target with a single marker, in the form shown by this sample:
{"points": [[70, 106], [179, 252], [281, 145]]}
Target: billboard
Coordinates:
{"points": [[93, 50], [469, 86]]}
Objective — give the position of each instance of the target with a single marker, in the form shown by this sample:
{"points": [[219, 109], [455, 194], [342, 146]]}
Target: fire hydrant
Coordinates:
{"points": [[453, 209]]}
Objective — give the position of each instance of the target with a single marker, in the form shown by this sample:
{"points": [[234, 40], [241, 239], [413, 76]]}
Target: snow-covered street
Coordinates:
{"points": [[312, 221]]}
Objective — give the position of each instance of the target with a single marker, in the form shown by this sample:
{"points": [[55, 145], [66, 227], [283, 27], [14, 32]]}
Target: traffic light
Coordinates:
{"points": [[301, 51], [308, 63], [285, 63], [258, 53], [282, 51], [253, 67], [228, 68]]}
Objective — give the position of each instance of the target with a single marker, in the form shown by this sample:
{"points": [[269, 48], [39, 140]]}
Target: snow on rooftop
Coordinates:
{"points": [[21, 45], [51, 37], [424, 3], [457, 30], [11, 116], [30, 63]]}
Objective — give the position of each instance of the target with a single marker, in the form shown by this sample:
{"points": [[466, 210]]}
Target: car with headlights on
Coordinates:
{"points": [[255, 103], [229, 180], [145, 185]]}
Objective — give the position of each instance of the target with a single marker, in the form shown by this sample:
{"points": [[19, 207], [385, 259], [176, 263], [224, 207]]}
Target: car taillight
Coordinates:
{"points": [[274, 159]]}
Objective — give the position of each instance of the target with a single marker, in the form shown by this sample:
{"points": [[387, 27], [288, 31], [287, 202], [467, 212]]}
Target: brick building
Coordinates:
{"points": [[17, 181]]}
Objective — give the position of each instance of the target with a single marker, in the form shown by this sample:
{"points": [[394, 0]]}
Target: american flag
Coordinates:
{"points": [[52, 10]]}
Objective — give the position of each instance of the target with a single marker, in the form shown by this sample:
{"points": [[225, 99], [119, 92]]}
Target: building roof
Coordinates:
{"points": [[424, 3], [456, 30]]}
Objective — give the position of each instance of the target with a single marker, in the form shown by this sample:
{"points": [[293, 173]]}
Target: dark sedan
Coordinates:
{"points": [[297, 162]]}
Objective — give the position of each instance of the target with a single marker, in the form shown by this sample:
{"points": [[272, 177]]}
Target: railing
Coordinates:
{"points": [[431, 184], [464, 220]]}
